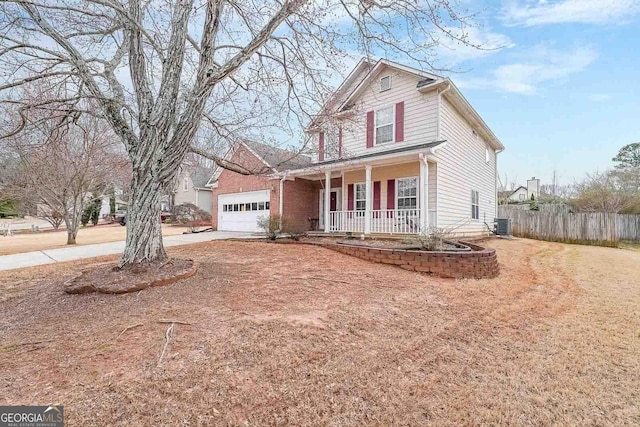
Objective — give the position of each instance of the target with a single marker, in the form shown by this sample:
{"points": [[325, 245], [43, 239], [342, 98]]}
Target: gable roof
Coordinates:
{"points": [[276, 159], [426, 78], [427, 82], [200, 176], [508, 193]]}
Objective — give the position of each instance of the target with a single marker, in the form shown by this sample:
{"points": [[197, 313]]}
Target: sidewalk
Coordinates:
{"points": [[50, 256]]}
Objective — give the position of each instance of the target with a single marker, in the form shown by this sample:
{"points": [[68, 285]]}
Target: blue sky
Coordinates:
{"points": [[562, 91]]}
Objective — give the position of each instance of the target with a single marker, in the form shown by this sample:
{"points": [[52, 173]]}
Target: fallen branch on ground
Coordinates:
{"points": [[130, 327], [179, 322], [167, 337]]}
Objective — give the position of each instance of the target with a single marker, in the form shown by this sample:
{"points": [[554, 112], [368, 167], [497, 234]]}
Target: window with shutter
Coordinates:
{"points": [[384, 125]]}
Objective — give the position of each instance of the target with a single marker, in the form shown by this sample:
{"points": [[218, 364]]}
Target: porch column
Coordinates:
{"points": [[368, 204], [424, 193], [327, 199]]}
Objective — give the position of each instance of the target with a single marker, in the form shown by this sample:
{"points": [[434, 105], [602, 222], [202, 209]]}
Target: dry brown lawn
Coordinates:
{"points": [[300, 335], [29, 242]]}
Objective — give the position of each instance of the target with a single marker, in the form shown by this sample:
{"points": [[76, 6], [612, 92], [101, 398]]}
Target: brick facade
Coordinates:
{"points": [[231, 182], [301, 196]]}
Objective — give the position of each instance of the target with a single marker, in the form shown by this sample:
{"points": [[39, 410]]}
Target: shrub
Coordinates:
{"points": [[190, 215], [433, 238], [294, 230], [92, 211], [270, 225]]}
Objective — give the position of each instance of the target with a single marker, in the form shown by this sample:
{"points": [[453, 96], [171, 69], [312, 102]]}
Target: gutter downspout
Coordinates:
{"points": [[281, 199]]}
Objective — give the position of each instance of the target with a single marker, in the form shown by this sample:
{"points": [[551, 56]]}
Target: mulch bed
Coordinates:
{"points": [[113, 280]]}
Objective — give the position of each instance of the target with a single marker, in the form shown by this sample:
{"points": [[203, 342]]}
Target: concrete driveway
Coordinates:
{"points": [[50, 256]]}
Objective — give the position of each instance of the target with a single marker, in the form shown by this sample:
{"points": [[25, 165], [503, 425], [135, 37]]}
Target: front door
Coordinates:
{"points": [[334, 205]]}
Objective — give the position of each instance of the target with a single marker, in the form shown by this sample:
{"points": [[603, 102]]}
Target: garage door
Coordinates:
{"points": [[240, 211]]}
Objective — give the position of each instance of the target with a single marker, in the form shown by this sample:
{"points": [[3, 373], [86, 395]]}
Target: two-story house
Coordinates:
{"points": [[398, 150]]}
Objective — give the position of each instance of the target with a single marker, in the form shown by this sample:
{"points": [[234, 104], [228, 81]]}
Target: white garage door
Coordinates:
{"points": [[240, 211]]}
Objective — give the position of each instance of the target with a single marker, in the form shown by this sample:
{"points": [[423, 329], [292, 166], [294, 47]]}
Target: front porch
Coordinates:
{"points": [[391, 196]]}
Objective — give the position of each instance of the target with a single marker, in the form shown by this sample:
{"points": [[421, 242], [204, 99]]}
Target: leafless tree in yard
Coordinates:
{"points": [[162, 70], [60, 162]]}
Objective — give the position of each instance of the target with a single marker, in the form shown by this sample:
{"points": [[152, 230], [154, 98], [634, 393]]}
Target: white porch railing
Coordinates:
{"points": [[343, 221], [404, 221]]}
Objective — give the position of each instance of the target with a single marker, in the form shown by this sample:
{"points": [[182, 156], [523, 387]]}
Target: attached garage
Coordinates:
{"points": [[240, 211]]}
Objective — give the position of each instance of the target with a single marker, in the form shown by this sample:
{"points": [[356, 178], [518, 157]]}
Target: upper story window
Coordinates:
{"points": [[385, 83], [384, 125], [185, 184], [487, 157]]}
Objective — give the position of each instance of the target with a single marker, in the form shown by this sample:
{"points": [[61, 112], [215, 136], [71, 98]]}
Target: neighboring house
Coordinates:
{"points": [[517, 195], [398, 150], [191, 188], [522, 193]]}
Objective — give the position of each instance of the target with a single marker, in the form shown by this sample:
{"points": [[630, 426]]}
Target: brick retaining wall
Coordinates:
{"points": [[480, 263]]}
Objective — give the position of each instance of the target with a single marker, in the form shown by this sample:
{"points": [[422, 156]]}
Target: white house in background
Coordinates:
{"points": [[517, 195], [191, 188], [398, 150], [523, 194]]}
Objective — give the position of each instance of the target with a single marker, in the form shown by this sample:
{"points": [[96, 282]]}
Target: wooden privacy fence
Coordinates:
{"points": [[598, 228]]}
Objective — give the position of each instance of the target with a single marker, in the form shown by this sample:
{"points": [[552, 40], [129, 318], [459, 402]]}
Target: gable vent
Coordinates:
{"points": [[385, 83]]}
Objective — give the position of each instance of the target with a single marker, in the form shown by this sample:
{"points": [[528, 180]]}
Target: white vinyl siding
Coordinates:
{"points": [[462, 167], [420, 114]]}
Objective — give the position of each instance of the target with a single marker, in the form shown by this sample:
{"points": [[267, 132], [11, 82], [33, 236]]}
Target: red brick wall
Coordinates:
{"points": [[232, 182], [301, 196], [301, 203]]}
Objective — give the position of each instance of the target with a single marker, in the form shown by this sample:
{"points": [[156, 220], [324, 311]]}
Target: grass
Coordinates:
{"points": [[29, 242], [300, 335], [632, 246]]}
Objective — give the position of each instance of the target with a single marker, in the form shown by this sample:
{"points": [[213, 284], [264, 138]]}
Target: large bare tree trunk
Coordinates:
{"points": [[144, 227]]}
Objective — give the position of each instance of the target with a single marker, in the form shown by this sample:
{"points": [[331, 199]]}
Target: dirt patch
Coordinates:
{"points": [[110, 279], [301, 335]]}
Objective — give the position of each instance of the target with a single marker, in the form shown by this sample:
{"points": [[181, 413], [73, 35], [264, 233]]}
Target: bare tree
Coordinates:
{"points": [[61, 162], [610, 191], [161, 70]]}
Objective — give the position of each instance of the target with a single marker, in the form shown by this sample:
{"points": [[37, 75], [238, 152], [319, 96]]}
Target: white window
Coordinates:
{"points": [[385, 83], [486, 155], [384, 125], [475, 205], [521, 196], [360, 196], [185, 184], [407, 193]]}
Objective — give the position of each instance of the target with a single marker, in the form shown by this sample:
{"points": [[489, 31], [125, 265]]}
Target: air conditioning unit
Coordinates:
{"points": [[502, 226]]}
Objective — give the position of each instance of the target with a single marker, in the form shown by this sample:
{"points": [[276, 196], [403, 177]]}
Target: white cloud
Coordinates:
{"points": [[567, 11], [478, 42], [543, 66], [599, 97]]}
